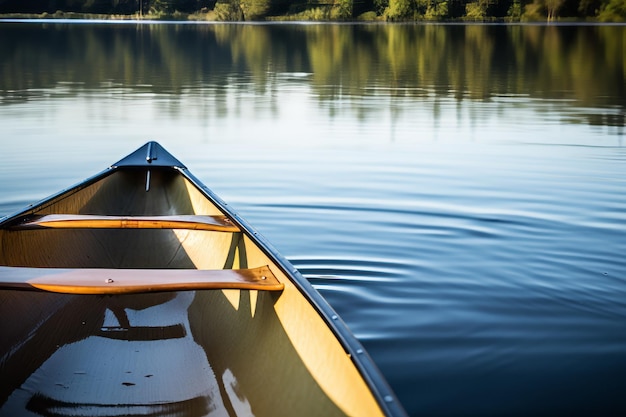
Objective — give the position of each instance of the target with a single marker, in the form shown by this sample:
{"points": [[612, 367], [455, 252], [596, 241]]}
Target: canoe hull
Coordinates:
{"points": [[190, 351]]}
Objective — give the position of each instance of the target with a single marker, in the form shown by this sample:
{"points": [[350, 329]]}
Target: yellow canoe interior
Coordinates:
{"points": [[177, 350]]}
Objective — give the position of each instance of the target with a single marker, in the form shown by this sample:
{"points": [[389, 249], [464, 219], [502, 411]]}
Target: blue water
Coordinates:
{"points": [[476, 246]]}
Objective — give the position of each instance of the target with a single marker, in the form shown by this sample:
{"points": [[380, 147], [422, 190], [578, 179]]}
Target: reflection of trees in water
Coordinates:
{"points": [[584, 64]]}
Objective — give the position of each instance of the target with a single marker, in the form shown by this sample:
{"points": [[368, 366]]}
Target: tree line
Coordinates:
{"points": [[329, 10]]}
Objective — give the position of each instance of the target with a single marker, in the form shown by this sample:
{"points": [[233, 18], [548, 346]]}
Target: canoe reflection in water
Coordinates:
{"points": [[153, 354], [142, 361]]}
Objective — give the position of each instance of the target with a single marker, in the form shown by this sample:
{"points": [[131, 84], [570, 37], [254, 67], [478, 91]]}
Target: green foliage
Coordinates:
{"points": [[380, 6], [613, 11], [341, 10], [228, 11], [476, 10], [543, 10], [421, 6], [328, 10], [515, 11], [320, 10], [255, 9], [534, 12], [313, 14], [589, 7], [368, 16], [553, 7], [436, 10], [398, 10], [158, 7]]}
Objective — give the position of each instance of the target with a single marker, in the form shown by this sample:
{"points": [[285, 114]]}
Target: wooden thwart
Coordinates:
{"points": [[128, 281], [83, 221]]}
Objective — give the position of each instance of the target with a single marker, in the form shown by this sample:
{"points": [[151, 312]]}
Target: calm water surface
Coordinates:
{"points": [[457, 193]]}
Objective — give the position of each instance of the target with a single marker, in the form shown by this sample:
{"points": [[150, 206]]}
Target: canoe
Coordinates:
{"points": [[140, 292]]}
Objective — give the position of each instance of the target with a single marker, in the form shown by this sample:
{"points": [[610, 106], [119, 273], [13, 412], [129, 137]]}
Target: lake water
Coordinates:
{"points": [[456, 192]]}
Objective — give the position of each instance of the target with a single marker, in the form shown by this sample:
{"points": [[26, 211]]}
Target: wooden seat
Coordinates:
{"points": [[82, 221], [127, 281]]}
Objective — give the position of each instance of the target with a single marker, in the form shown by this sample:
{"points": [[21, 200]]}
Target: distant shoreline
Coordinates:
{"points": [[60, 15], [212, 17]]}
